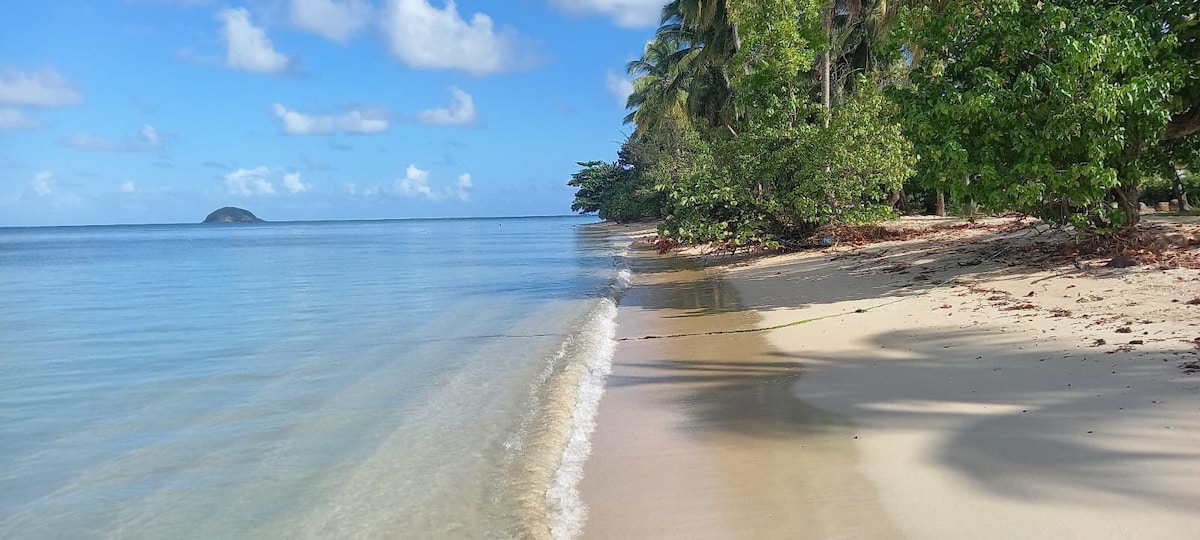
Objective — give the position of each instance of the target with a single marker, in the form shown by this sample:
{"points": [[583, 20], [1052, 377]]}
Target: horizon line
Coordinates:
{"points": [[294, 221]]}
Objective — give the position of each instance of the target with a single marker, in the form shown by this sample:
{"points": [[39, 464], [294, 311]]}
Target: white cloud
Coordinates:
{"points": [[45, 88], [423, 36], [355, 121], [46, 188], [618, 86], [461, 189], [43, 184], [146, 140], [127, 187], [624, 13], [248, 182], [460, 112], [149, 135], [414, 183], [257, 181], [335, 20], [247, 46], [292, 182], [15, 119]]}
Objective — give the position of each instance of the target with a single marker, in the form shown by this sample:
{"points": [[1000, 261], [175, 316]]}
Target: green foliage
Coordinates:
{"points": [[616, 191], [781, 171], [1065, 109], [809, 175], [842, 173], [594, 184], [707, 203], [682, 72], [773, 56], [1051, 108]]}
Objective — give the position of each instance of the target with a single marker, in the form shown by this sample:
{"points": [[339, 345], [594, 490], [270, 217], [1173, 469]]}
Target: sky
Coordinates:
{"points": [[160, 111]]}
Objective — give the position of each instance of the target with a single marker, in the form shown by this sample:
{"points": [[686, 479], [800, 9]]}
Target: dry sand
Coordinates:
{"points": [[974, 410]]}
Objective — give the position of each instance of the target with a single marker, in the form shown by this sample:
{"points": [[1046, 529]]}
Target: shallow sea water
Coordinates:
{"points": [[390, 379]]}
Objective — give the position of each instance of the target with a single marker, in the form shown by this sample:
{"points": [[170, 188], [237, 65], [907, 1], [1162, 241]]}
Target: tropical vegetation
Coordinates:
{"points": [[757, 121]]}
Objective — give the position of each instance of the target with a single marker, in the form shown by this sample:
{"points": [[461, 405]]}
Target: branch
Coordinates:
{"points": [[1184, 123]]}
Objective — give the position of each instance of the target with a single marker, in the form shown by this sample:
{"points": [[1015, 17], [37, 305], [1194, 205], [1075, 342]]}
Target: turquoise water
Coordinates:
{"points": [[415, 379]]}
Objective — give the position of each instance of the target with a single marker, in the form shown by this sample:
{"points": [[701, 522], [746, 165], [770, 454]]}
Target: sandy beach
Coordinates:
{"points": [[953, 386]]}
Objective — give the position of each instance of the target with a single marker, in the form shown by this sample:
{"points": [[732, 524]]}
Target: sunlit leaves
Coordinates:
{"points": [[1049, 108]]}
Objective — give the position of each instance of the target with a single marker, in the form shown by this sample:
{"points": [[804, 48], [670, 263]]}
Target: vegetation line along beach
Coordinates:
{"points": [[758, 123]]}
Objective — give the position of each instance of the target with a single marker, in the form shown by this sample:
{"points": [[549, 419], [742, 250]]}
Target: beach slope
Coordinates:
{"points": [[951, 387]]}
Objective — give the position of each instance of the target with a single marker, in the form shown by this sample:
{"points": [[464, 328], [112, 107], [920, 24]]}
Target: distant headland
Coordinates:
{"points": [[230, 214]]}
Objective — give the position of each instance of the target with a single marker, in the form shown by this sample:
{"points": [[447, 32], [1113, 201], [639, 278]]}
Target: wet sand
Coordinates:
{"points": [[958, 413]]}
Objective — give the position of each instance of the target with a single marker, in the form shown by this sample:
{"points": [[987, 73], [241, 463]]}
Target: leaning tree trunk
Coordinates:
{"points": [[1180, 194], [940, 209]]}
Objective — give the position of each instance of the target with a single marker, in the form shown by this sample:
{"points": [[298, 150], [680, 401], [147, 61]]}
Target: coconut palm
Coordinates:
{"points": [[707, 23], [659, 88], [682, 71]]}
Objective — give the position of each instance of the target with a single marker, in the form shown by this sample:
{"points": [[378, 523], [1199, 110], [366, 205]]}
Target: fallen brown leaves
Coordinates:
{"points": [[664, 245], [1159, 244], [859, 235], [1165, 245]]}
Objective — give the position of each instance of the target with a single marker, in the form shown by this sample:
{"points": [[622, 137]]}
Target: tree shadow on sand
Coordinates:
{"points": [[1021, 417], [747, 397], [1012, 426], [1018, 424]]}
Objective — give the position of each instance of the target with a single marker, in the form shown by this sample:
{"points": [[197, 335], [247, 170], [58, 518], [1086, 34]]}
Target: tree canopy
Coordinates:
{"points": [[757, 120]]}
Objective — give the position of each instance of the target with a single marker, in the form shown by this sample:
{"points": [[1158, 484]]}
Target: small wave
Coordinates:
{"points": [[554, 443], [566, 508]]}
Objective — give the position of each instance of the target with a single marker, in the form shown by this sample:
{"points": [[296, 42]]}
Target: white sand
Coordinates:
{"points": [[940, 416]]}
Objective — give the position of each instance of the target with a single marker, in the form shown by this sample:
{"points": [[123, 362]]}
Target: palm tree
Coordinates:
{"points": [[707, 22], [682, 71], [660, 87], [858, 33]]}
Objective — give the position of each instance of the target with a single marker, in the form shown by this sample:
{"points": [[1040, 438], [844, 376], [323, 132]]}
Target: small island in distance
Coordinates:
{"points": [[230, 214]]}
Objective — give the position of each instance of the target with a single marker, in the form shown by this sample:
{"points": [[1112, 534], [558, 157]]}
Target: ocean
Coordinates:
{"points": [[384, 379]]}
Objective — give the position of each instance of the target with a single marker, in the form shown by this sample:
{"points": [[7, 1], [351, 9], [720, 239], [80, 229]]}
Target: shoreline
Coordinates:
{"points": [[983, 408]]}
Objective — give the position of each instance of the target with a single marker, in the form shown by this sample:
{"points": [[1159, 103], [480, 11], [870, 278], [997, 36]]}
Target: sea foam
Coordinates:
{"points": [[548, 456]]}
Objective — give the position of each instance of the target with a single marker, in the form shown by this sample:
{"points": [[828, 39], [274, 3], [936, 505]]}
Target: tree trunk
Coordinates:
{"points": [[1180, 194], [1127, 202], [1184, 123], [904, 206], [941, 204]]}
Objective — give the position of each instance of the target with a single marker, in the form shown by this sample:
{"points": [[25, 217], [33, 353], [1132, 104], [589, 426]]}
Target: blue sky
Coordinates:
{"points": [[159, 111]]}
